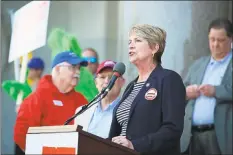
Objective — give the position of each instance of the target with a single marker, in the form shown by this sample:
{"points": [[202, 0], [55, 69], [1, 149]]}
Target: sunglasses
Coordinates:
{"points": [[90, 59]]}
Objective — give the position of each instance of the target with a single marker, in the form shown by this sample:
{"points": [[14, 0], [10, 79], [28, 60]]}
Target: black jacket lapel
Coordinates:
{"points": [[144, 89]]}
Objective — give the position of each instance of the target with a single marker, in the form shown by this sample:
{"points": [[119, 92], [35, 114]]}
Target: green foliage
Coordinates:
{"points": [[60, 41], [12, 88]]}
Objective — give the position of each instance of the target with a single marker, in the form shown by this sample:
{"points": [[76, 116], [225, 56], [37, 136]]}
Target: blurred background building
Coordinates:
{"points": [[104, 26]]}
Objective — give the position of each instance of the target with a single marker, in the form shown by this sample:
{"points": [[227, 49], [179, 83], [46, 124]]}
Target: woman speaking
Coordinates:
{"points": [[150, 115]]}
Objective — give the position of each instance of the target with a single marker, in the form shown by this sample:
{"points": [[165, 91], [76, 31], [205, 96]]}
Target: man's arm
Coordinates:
{"points": [[187, 82], [187, 77], [29, 115], [224, 92]]}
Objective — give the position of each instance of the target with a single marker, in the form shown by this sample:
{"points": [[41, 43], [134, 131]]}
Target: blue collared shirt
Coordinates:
{"points": [[204, 106], [101, 120]]}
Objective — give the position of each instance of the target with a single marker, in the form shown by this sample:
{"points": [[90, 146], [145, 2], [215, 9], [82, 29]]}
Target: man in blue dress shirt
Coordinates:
{"points": [[208, 114]]}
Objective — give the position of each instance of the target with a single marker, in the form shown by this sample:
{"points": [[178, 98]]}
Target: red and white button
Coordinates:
{"points": [[151, 94]]}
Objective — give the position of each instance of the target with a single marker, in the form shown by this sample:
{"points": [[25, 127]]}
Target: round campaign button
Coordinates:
{"points": [[151, 94]]}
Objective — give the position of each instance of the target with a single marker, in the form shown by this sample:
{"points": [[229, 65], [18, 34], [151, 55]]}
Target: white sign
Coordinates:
{"points": [[36, 142], [29, 29]]}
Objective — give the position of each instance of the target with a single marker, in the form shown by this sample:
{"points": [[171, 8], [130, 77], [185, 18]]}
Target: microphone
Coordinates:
{"points": [[118, 71]]}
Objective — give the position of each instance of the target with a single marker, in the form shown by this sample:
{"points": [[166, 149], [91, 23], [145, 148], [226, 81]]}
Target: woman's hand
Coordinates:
{"points": [[123, 141]]}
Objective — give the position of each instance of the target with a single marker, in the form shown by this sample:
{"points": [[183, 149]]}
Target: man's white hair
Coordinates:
{"points": [[54, 71]]}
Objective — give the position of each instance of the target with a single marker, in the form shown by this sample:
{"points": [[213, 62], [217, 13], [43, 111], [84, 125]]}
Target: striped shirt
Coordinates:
{"points": [[123, 110]]}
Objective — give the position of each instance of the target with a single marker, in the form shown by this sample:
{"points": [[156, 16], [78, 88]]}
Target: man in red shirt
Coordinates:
{"points": [[54, 99]]}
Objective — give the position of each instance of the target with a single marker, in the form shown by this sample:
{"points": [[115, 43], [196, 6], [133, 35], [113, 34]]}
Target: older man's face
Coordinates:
{"points": [[103, 78], [69, 74]]}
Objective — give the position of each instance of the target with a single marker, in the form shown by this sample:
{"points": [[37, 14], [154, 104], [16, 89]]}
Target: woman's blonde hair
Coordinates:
{"points": [[153, 35]]}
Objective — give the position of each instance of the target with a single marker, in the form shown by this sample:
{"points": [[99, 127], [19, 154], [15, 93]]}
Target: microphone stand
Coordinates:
{"points": [[87, 106]]}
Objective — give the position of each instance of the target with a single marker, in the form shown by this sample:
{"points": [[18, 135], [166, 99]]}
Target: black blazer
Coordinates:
{"points": [[155, 126]]}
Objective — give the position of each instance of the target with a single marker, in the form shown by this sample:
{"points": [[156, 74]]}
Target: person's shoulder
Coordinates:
{"points": [[33, 98], [200, 60], [170, 73], [79, 96], [173, 78], [42, 93], [30, 96]]}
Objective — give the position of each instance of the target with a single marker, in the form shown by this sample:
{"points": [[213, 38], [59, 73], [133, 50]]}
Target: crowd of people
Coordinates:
{"points": [[158, 112]]}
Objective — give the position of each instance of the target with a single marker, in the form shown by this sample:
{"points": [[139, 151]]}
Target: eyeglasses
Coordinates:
{"points": [[90, 59], [72, 67], [103, 77]]}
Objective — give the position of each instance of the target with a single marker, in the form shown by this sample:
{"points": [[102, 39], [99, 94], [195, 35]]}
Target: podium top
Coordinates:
{"points": [[52, 129], [99, 145]]}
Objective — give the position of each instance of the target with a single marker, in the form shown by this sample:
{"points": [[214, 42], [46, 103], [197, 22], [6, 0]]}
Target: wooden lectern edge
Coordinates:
{"points": [[52, 129], [106, 141]]}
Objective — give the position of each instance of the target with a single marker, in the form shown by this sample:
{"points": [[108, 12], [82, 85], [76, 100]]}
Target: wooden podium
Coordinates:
{"points": [[70, 139]]}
